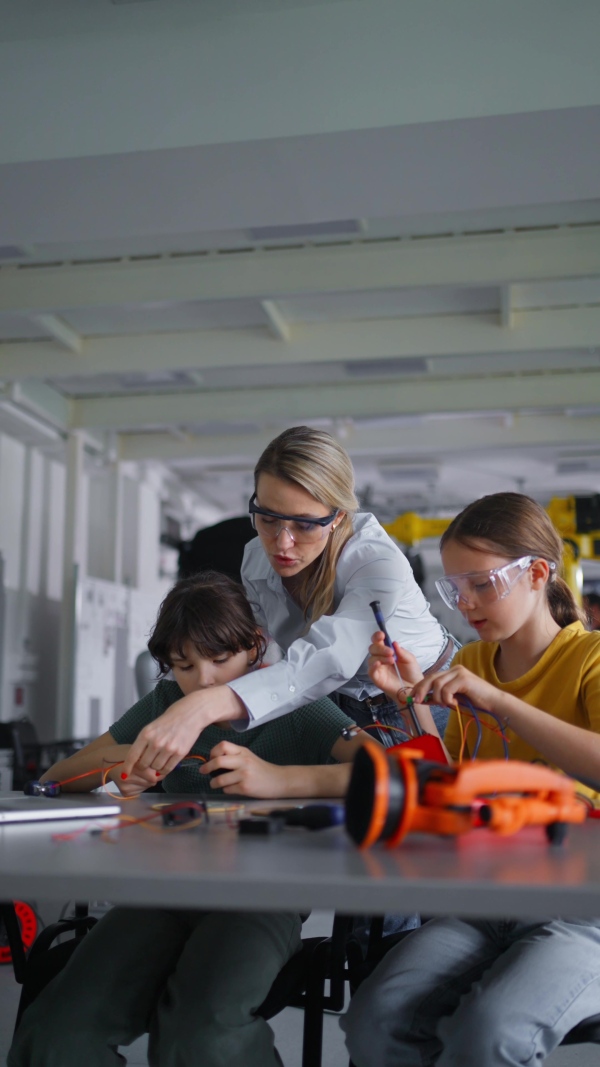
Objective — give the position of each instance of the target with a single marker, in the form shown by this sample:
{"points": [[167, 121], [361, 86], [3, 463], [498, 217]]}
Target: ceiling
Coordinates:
{"points": [[219, 220]]}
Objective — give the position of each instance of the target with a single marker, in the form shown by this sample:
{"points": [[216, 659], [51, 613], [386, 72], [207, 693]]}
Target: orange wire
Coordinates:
{"points": [[148, 825], [495, 729], [105, 771], [97, 770], [464, 740], [131, 820], [460, 726]]}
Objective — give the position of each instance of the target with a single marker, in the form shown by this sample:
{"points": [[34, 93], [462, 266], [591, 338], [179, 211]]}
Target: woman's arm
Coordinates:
{"points": [[332, 652], [99, 753], [334, 649], [245, 774], [574, 750], [161, 744]]}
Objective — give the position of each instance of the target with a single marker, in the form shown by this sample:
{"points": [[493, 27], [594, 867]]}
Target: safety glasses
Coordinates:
{"points": [[484, 586], [269, 524]]}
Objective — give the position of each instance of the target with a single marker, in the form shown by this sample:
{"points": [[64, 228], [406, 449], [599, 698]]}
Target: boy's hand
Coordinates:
{"points": [[244, 773], [165, 741], [383, 673], [141, 778]]}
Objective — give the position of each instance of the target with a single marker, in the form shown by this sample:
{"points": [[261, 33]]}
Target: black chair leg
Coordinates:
{"points": [[312, 1037], [13, 933]]}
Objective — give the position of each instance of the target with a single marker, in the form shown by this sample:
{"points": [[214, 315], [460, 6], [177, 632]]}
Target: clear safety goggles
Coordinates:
{"points": [[484, 586], [269, 524]]}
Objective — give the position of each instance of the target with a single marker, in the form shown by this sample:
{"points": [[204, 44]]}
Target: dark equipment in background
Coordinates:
{"points": [[221, 548], [31, 757], [217, 548], [418, 567]]}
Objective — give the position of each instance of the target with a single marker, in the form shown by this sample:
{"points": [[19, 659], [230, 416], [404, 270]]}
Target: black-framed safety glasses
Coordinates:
{"points": [[301, 530]]}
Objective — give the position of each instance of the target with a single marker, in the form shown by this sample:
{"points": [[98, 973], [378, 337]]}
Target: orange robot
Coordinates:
{"points": [[395, 791]]}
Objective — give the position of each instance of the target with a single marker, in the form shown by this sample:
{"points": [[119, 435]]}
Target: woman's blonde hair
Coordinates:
{"points": [[514, 525], [315, 461]]}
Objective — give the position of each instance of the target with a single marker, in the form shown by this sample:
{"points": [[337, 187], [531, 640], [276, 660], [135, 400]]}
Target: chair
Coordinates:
{"points": [[300, 983], [31, 757], [45, 959]]}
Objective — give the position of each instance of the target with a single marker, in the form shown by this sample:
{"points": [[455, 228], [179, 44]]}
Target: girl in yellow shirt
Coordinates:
{"points": [[499, 993]]}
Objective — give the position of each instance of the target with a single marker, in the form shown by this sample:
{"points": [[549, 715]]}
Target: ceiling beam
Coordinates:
{"points": [[507, 316], [430, 335], [423, 439], [60, 331], [276, 274], [277, 324], [351, 400]]}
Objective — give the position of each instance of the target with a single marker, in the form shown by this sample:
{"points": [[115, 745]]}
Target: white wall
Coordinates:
{"points": [[118, 542], [12, 496], [31, 537]]}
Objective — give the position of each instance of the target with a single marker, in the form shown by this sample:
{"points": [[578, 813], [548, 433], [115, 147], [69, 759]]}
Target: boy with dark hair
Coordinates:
{"points": [[192, 979]]}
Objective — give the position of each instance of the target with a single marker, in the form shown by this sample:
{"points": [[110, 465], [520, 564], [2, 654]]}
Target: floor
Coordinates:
{"points": [[287, 1026]]}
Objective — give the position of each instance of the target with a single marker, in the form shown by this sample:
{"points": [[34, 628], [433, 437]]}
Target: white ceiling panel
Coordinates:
{"points": [[132, 226], [389, 303], [292, 374], [437, 168], [19, 327], [164, 317], [570, 292], [189, 242]]}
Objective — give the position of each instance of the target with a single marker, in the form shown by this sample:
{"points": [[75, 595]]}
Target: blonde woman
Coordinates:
{"points": [[310, 575]]}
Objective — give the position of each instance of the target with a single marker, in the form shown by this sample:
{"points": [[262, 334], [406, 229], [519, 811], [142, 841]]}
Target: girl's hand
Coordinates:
{"points": [[446, 687], [244, 773], [382, 671]]}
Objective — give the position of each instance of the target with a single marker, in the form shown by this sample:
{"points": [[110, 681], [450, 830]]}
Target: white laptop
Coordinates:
{"points": [[19, 808]]}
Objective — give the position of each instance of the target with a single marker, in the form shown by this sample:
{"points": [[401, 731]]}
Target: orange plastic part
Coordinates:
{"points": [[382, 792], [449, 801], [411, 801]]}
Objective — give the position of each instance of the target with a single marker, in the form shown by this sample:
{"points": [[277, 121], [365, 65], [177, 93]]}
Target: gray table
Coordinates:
{"points": [[213, 866]]}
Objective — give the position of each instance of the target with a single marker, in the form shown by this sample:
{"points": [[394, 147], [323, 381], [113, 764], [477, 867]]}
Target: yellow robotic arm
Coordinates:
{"points": [[410, 528]]}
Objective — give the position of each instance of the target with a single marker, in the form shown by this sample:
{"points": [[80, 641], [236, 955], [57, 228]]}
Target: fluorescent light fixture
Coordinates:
{"points": [[306, 230], [386, 368]]}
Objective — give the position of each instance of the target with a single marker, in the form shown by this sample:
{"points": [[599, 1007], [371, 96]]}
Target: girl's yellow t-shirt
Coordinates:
{"points": [[565, 682]]}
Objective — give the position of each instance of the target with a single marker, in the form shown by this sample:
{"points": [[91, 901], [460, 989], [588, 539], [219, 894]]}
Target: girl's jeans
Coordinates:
{"points": [[476, 993]]}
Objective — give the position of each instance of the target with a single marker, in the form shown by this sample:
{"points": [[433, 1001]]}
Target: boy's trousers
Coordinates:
{"points": [[192, 979]]}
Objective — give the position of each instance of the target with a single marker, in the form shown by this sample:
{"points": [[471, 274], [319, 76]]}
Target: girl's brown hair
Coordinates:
{"points": [[315, 461], [210, 610], [514, 525]]}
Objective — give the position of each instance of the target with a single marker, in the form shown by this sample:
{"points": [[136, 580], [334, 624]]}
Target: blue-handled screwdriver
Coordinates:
{"points": [[379, 619]]}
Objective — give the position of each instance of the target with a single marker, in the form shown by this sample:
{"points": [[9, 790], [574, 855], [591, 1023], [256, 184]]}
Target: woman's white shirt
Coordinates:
{"points": [[332, 655]]}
